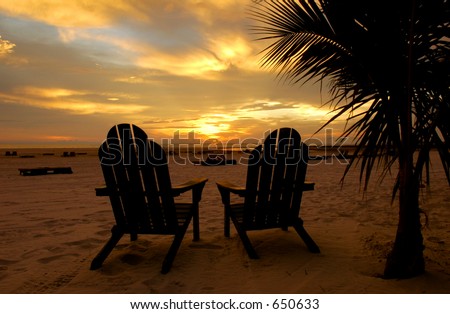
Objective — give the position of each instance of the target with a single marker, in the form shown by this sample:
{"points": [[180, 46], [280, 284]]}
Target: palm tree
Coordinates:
{"points": [[388, 67]]}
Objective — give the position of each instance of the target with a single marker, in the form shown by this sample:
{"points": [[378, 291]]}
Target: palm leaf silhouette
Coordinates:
{"points": [[387, 64]]}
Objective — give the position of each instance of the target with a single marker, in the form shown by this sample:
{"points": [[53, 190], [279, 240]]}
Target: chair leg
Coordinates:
{"points": [[226, 226], [245, 240], [116, 235], [312, 246], [196, 223], [170, 256]]}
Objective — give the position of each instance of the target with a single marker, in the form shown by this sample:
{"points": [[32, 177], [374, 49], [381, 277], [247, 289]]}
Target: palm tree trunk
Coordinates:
{"points": [[406, 259]]}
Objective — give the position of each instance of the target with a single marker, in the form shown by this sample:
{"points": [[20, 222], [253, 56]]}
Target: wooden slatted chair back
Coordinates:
{"points": [[137, 178], [275, 177]]}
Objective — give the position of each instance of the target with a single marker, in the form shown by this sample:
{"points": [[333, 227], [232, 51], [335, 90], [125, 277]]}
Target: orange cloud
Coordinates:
{"points": [[6, 47], [76, 102], [59, 138], [250, 119], [75, 13]]}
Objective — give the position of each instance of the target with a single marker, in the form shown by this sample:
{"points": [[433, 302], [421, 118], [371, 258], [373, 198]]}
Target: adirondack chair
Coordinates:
{"points": [[141, 194], [273, 193]]}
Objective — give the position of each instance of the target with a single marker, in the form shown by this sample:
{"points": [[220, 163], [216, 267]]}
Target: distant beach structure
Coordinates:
{"points": [[217, 160], [68, 154], [10, 153], [44, 170]]}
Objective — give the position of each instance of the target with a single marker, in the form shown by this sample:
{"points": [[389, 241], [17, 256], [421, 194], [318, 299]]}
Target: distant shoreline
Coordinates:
{"points": [[89, 150]]}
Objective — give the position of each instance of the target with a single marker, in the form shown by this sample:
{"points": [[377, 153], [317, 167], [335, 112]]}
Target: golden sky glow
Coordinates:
{"points": [[72, 69]]}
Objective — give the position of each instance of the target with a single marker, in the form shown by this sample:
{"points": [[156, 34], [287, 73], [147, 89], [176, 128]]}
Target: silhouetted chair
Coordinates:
{"points": [[142, 197], [273, 192]]}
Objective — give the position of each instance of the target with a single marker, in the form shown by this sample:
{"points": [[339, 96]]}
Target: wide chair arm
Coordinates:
{"points": [[231, 188], [196, 185], [226, 188], [102, 191], [308, 186]]}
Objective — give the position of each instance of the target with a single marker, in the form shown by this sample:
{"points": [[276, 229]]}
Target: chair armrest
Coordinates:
{"points": [[228, 187], [308, 186], [102, 191], [195, 184]]}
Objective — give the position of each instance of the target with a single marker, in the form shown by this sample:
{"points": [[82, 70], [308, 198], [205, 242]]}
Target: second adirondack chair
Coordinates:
{"points": [[273, 192]]}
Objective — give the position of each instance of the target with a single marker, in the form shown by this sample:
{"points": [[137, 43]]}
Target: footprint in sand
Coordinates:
{"points": [[208, 246], [5, 262], [436, 240], [85, 244], [46, 260], [103, 232], [30, 254], [132, 259]]}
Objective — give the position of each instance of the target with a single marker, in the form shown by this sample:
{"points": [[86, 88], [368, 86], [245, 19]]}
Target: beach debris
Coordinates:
{"points": [[44, 171]]}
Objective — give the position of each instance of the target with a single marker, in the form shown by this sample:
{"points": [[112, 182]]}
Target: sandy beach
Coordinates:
{"points": [[52, 226]]}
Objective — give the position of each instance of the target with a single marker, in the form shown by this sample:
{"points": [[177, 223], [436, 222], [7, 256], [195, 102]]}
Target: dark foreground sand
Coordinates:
{"points": [[51, 227]]}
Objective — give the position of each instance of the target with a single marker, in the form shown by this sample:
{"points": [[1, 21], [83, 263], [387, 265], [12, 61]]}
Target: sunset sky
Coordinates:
{"points": [[69, 70]]}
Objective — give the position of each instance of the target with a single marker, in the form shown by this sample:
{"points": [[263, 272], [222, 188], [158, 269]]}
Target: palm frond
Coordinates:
{"points": [[361, 48]]}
